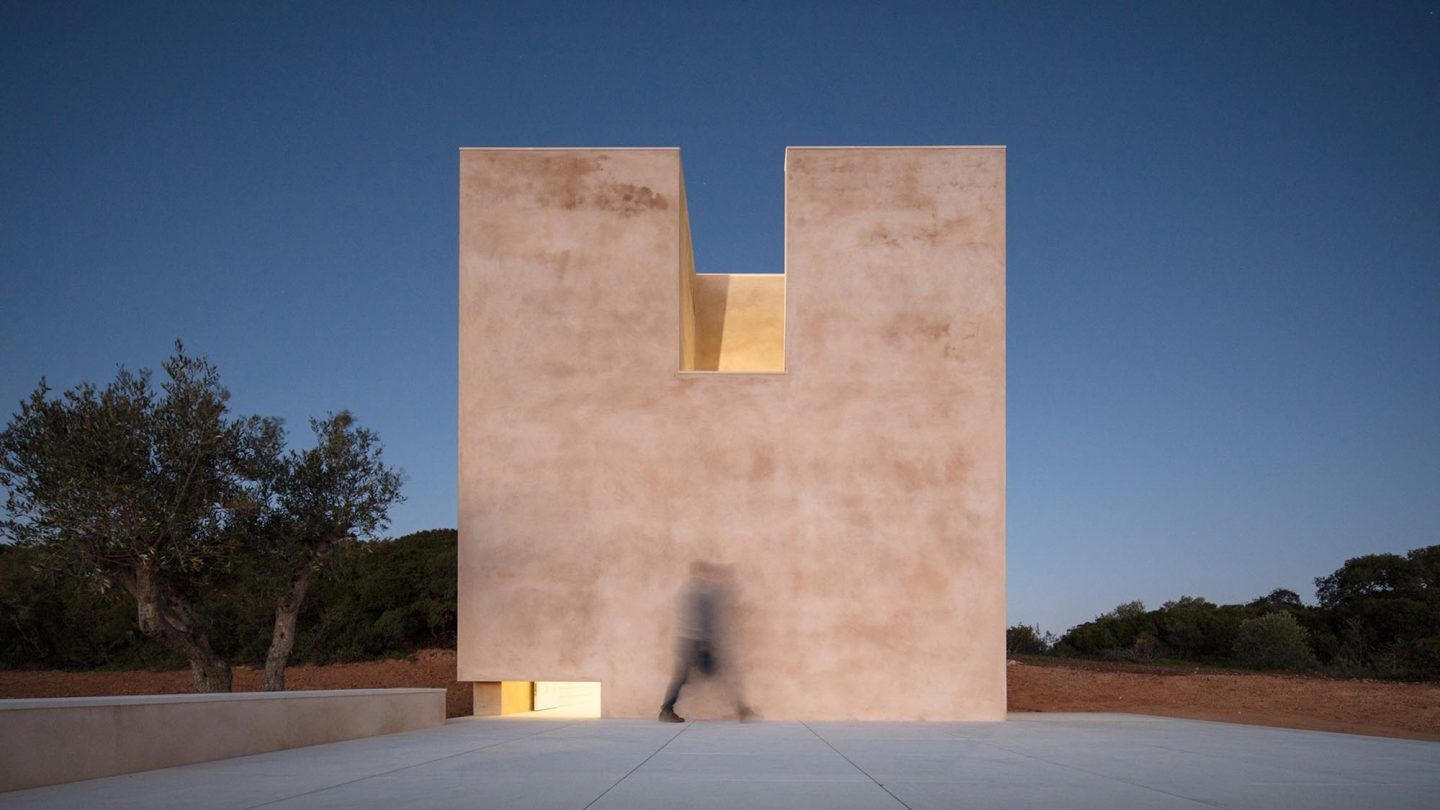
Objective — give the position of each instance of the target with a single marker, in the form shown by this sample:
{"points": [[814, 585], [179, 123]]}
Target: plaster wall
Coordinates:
{"points": [[859, 495]]}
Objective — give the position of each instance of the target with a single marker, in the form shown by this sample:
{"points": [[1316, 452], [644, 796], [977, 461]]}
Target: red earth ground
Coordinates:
{"points": [[428, 668], [1351, 705], [1036, 685]]}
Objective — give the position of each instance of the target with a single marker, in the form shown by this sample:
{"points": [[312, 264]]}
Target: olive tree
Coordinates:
{"points": [[318, 497], [151, 490]]}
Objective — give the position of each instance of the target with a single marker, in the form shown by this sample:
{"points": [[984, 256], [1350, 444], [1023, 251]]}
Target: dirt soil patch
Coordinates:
{"points": [[1353, 706], [428, 668], [1036, 685]]}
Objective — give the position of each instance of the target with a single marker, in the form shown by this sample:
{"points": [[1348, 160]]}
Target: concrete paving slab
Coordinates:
{"points": [[1321, 797], [519, 792], [1113, 796], [1109, 761], [754, 766], [903, 731], [961, 761], [644, 791]]}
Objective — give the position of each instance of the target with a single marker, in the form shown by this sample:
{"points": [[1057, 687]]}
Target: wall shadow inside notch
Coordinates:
{"points": [[729, 322]]}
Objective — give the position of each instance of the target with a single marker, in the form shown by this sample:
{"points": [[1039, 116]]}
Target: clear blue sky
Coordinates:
{"points": [[1224, 231]]}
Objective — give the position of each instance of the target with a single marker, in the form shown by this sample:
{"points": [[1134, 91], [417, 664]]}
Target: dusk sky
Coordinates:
{"points": [[1223, 231]]}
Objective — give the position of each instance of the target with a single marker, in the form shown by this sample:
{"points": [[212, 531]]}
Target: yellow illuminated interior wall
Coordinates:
{"points": [[567, 698], [728, 322], [687, 288], [739, 322], [502, 697]]}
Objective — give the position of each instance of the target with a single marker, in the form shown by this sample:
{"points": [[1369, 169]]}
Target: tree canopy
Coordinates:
{"points": [[142, 488], [1377, 614], [166, 494]]}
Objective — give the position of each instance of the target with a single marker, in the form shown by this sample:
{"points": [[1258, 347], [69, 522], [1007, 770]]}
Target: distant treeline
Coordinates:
{"points": [[1377, 616], [373, 599]]}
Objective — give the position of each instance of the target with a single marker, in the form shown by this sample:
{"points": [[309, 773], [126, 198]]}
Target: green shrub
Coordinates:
{"points": [[1146, 648], [1023, 639], [378, 598], [1274, 641], [1127, 610]]}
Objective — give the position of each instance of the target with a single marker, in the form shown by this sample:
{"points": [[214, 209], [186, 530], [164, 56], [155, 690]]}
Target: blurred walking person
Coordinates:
{"points": [[704, 607]]}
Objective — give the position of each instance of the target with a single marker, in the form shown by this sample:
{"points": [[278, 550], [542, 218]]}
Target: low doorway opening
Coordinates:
{"points": [[568, 699]]}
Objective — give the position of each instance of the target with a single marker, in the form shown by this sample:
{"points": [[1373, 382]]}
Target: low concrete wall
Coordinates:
{"points": [[46, 741]]}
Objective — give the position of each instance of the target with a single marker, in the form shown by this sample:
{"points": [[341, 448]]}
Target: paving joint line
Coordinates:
{"points": [[405, 767], [637, 767], [877, 782]]}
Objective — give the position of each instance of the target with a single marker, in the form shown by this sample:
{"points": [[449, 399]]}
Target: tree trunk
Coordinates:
{"points": [[210, 674], [287, 611], [168, 617]]}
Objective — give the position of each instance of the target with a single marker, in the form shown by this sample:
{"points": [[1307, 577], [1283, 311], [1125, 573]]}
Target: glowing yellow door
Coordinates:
{"points": [[568, 698]]}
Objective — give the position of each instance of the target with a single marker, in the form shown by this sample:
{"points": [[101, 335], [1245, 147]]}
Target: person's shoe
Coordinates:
{"points": [[746, 715], [669, 716]]}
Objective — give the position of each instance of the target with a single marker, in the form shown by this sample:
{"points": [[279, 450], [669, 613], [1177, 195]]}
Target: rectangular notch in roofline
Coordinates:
{"points": [[728, 322]]}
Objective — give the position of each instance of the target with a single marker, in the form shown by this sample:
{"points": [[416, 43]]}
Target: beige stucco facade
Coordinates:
{"points": [[854, 477]]}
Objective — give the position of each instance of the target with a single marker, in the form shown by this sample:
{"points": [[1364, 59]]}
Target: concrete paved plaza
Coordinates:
{"points": [[1034, 760]]}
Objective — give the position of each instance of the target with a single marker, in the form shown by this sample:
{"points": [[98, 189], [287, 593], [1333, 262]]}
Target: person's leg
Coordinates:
{"points": [[737, 692], [684, 661], [672, 694]]}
